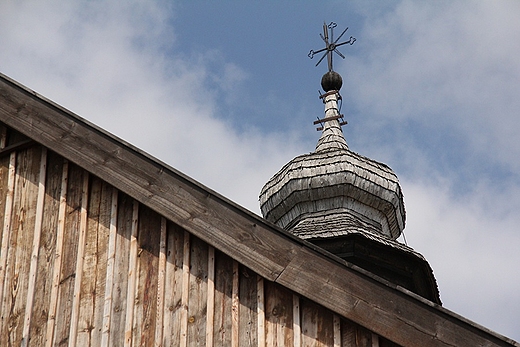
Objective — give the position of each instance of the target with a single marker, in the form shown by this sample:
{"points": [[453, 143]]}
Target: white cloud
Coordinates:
{"points": [[471, 243], [446, 65], [106, 61]]}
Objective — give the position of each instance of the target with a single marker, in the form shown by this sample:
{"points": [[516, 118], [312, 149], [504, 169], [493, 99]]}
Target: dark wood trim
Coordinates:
{"points": [[392, 312], [15, 147]]}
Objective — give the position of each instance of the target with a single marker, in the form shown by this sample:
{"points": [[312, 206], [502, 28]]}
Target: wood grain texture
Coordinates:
{"points": [[110, 269], [235, 306], [198, 292], [398, 316], [278, 315], [161, 282], [210, 314], [120, 300], [35, 248], [10, 172], [260, 309], [145, 306], [174, 285], [248, 316], [69, 255], [80, 258], [194, 207], [95, 264], [185, 290], [45, 269], [354, 335], [223, 300], [297, 328], [132, 276], [337, 330], [57, 259], [317, 325], [20, 245]]}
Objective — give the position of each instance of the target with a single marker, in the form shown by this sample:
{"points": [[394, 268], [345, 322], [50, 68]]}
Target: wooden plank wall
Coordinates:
{"points": [[82, 264]]}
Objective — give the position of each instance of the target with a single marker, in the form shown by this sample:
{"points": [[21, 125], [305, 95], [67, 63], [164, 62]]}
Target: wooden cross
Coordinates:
{"points": [[331, 46]]}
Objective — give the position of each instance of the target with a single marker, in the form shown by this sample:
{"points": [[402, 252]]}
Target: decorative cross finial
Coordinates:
{"points": [[332, 45]]}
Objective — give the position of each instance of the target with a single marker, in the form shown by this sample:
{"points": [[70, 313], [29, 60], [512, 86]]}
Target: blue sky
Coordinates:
{"points": [[224, 91]]}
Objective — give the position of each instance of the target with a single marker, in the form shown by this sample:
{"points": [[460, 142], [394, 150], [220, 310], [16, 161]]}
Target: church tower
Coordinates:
{"points": [[350, 205]]}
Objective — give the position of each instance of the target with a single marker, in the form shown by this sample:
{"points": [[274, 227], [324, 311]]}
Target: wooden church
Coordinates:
{"points": [[103, 245]]}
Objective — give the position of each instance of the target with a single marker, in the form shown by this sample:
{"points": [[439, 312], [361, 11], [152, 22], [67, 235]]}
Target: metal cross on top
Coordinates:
{"points": [[331, 46]]}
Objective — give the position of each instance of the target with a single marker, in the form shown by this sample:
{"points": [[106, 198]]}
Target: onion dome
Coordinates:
{"points": [[347, 204], [352, 190]]}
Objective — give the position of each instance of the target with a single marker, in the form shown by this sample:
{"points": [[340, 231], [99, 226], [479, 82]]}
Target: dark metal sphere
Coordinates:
{"points": [[331, 81]]}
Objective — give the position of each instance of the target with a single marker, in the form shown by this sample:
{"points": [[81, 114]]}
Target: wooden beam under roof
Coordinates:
{"points": [[389, 311]]}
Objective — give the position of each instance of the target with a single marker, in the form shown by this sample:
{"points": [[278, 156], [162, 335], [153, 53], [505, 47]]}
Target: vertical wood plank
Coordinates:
{"points": [[132, 274], [223, 300], [57, 256], [73, 332], [93, 283], [248, 334], [159, 325], [6, 230], [296, 321], [185, 291], [45, 263], [354, 335], [317, 325], [235, 306], [125, 210], [309, 324], [261, 311], [173, 286], [20, 245], [109, 280], [145, 306], [198, 292], [375, 340], [337, 330], [278, 315], [210, 316], [62, 323], [35, 247]]}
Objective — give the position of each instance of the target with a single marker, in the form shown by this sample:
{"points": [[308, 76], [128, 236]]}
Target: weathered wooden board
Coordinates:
{"points": [[248, 324], [133, 271], [148, 261], [20, 245], [199, 210], [317, 325], [210, 311], [173, 286], [57, 258], [354, 335], [37, 233], [120, 279], [47, 249], [223, 291], [278, 315], [69, 256], [93, 288], [198, 293]]}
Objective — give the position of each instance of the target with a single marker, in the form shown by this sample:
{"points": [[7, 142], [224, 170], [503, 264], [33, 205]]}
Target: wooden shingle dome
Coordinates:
{"points": [[334, 180], [348, 204]]}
